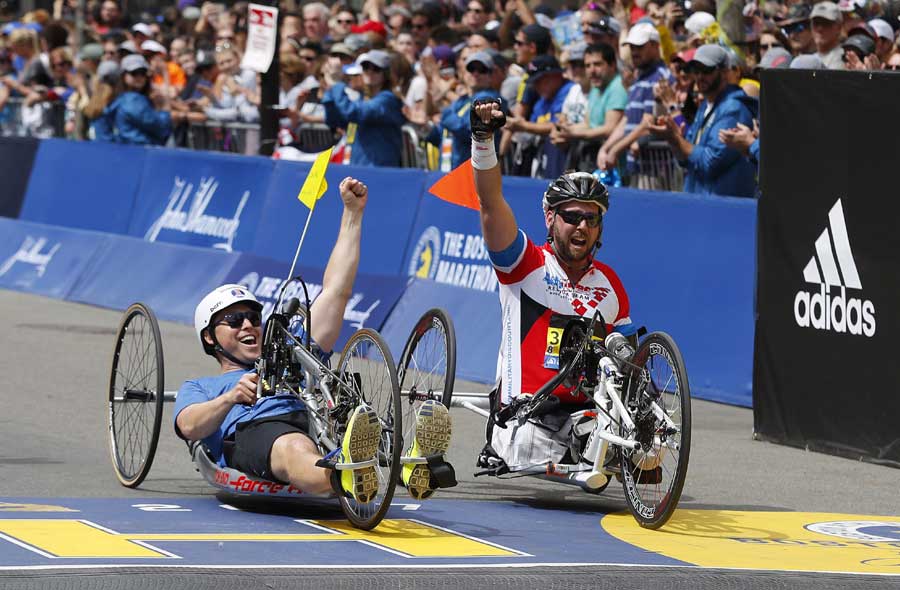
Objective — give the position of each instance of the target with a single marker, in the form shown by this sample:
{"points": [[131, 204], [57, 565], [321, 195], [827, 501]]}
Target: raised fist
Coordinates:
{"points": [[485, 117]]}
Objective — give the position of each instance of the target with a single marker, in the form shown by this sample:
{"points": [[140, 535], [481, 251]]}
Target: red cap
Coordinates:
{"points": [[370, 25], [685, 56]]}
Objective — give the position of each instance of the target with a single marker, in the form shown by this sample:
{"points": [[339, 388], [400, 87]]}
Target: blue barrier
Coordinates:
{"points": [[84, 184], [687, 262]]}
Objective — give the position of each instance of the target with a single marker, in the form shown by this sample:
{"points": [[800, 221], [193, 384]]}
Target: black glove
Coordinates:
{"points": [[481, 130]]}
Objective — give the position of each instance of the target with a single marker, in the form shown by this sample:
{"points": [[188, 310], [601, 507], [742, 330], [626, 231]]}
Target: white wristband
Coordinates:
{"points": [[484, 157]]}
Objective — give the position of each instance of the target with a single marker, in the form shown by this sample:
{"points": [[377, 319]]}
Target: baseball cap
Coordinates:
{"points": [[641, 34], [142, 28], [807, 62], [797, 13], [128, 46], [152, 46], [352, 70], [481, 57], [375, 57], [131, 63], [442, 54], [190, 13], [827, 10], [205, 59], [777, 58], [861, 43], [711, 56], [91, 51], [606, 25], [371, 26], [882, 28], [542, 65], [576, 51], [341, 49], [108, 71], [397, 9], [697, 22], [536, 34]]}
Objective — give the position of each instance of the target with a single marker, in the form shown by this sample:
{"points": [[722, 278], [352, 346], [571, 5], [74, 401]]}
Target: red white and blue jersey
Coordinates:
{"points": [[534, 288]]}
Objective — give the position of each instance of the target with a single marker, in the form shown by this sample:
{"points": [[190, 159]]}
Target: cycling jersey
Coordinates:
{"points": [[533, 288]]}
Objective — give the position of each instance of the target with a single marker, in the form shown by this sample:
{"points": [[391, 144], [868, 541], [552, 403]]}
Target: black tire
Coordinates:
{"points": [[427, 367], [366, 362], [136, 395], [652, 494]]}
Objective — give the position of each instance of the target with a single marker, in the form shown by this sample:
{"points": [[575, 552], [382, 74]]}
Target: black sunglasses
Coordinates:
{"points": [[477, 69], [576, 217], [368, 67], [699, 69], [796, 28], [236, 319]]}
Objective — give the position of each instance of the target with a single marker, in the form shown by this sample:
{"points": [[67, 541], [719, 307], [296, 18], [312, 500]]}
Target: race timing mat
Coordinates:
{"points": [[205, 532]]}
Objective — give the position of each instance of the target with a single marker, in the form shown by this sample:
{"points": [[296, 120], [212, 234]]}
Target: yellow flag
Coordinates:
{"points": [[315, 185]]}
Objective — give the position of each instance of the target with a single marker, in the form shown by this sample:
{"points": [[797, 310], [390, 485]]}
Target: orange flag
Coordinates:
{"points": [[458, 187]]}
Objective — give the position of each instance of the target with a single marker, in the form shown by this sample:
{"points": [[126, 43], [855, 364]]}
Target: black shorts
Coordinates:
{"points": [[252, 448]]}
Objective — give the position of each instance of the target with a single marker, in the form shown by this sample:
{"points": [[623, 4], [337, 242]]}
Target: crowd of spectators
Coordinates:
{"points": [[643, 93]]}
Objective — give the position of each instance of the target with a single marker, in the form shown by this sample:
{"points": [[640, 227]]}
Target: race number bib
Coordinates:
{"points": [[554, 339]]}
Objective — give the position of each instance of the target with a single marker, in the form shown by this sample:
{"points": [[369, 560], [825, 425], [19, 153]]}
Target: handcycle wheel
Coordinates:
{"points": [[367, 364], [653, 480], [136, 395], [427, 367]]}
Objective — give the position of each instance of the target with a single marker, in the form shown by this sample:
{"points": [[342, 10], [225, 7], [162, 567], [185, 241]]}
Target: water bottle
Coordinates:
{"points": [[609, 177]]}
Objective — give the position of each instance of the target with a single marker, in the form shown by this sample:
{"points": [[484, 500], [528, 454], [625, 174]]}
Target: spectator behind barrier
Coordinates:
{"points": [[132, 115], [711, 166], [105, 88], [826, 19], [377, 140]]}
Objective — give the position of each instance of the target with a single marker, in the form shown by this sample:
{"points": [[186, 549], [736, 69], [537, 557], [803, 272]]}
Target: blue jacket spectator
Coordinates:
{"points": [[378, 139], [132, 114], [711, 167]]}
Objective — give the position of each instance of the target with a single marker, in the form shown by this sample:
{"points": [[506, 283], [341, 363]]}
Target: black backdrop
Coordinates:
{"points": [[830, 144]]}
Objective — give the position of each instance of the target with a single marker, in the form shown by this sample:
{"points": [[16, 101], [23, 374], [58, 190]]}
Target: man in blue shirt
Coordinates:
{"points": [[269, 434], [711, 167], [545, 76]]}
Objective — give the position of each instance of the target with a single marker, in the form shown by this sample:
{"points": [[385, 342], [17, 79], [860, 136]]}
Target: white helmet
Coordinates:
{"points": [[217, 300]]}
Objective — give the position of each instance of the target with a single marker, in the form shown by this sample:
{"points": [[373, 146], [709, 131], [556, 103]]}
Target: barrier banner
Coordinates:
{"points": [[372, 299], [44, 260], [84, 184], [170, 278], [824, 362], [196, 199], [394, 197], [16, 159]]}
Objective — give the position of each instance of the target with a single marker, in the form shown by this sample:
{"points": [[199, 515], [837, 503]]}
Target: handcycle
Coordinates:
{"points": [[365, 373], [636, 426]]}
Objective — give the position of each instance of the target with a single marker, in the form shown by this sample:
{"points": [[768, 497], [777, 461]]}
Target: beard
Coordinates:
{"points": [[565, 250]]}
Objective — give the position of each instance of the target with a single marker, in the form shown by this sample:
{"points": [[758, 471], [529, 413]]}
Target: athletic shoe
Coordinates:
{"points": [[433, 429], [360, 444]]}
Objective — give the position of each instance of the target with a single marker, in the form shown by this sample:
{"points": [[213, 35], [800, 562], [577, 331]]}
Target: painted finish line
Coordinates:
{"points": [[203, 531]]}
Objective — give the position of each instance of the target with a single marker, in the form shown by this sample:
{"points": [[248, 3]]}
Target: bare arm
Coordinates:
{"points": [[337, 285], [610, 122], [498, 224], [197, 421]]}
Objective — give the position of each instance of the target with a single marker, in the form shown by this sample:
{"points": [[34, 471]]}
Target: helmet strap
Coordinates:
{"points": [[218, 348]]}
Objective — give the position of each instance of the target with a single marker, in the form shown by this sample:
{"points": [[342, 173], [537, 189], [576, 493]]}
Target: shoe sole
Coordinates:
{"points": [[433, 430], [365, 436]]}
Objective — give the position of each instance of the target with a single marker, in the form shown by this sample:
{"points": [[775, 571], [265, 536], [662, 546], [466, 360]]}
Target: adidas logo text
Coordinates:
{"points": [[824, 310]]}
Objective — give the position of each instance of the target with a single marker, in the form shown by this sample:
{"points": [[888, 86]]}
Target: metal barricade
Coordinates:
{"points": [[315, 137], [657, 168], [235, 138], [413, 154]]}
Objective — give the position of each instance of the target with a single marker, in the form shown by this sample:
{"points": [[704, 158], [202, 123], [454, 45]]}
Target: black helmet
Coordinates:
{"points": [[577, 186]]}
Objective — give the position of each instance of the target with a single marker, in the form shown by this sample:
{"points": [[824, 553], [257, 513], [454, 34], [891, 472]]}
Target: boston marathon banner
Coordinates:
{"points": [[825, 364]]}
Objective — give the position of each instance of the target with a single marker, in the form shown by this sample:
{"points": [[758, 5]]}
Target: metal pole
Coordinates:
{"points": [[268, 118], [79, 24]]}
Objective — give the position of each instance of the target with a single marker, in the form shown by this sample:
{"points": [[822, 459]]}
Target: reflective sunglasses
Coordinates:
{"points": [[236, 319], [575, 218]]}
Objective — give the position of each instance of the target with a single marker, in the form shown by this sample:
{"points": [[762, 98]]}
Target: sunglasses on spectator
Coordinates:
{"points": [[236, 319], [369, 67], [518, 43], [139, 72], [575, 218], [419, 27], [61, 64], [795, 28], [768, 46], [699, 69], [476, 68], [345, 21], [575, 63]]}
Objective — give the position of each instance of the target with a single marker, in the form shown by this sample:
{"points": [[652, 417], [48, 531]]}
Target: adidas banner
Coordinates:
{"points": [[825, 359]]}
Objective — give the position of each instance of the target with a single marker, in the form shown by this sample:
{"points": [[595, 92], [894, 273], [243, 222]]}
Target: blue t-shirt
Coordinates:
{"points": [[197, 391]]}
